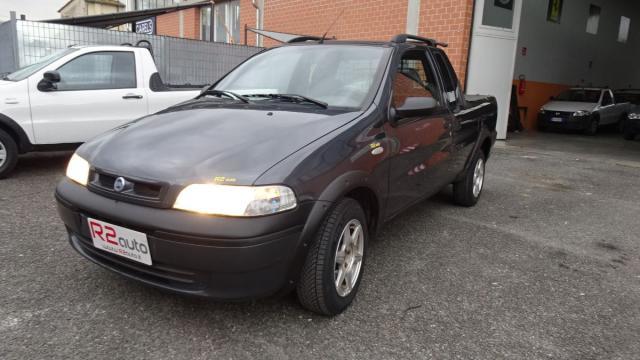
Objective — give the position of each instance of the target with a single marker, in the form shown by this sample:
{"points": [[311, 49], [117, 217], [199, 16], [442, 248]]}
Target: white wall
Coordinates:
{"points": [[561, 53], [491, 59]]}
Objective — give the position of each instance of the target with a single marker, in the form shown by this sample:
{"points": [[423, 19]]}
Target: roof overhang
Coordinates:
{"points": [[116, 19]]}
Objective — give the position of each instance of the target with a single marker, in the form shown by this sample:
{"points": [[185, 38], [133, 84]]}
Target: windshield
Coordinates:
{"points": [[28, 70], [588, 96], [336, 75]]}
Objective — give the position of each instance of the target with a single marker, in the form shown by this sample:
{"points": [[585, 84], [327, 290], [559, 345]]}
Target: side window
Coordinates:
{"points": [[414, 78], [606, 99], [448, 76], [99, 71]]}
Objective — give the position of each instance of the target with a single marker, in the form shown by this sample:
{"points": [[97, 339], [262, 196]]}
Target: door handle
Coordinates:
{"points": [[132, 96]]}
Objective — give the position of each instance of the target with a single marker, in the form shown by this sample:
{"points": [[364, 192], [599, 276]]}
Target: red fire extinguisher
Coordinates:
{"points": [[522, 85]]}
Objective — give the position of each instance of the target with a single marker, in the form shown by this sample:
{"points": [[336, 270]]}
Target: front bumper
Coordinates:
{"points": [[632, 126], [218, 257], [568, 121]]}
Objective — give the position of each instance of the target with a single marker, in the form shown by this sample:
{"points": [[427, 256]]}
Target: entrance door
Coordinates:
{"points": [[493, 51]]}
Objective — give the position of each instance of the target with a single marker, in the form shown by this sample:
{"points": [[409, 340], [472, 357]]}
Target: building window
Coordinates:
{"points": [[205, 23], [623, 32], [227, 22], [498, 13], [154, 4], [594, 19]]}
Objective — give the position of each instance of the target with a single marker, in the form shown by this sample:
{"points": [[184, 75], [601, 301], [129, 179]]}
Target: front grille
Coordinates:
{"points": [[143, 192]]}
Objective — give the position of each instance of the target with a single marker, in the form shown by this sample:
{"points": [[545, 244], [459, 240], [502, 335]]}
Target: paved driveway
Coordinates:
{"points": [[547, 266]]}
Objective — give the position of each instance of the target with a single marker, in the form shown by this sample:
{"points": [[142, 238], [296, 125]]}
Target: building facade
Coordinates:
{"points": [[225, 21], [77, 8]]}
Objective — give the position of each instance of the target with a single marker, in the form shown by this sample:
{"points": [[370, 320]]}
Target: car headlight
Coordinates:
{"points": [[542, 110], [634, 116], [582, 113], [231, 200], [78, 170]]}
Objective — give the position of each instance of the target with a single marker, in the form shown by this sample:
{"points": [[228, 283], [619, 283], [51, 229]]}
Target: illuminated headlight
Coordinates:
{"points": [[634, 116], [541, 110], [78, 170], [230, 200], [582, 113]]}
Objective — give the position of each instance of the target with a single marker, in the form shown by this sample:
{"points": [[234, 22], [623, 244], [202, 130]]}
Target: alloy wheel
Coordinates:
{"points": [[348, 258], [3, 154], [478, 178]]}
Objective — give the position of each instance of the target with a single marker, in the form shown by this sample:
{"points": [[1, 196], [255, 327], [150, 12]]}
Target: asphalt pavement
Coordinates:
{"points": [[546, 266]]}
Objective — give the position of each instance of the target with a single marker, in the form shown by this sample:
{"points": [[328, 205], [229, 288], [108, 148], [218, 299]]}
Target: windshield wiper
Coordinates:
{"points": [[294, 98], [228, 94]]}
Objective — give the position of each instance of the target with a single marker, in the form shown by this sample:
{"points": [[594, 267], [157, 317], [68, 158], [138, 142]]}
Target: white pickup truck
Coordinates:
{"points": [[76, 94], [584, 109]]}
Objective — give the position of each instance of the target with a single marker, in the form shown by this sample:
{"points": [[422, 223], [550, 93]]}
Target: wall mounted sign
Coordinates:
{"points": [[554, 11], [146, 26], [505, 4]]}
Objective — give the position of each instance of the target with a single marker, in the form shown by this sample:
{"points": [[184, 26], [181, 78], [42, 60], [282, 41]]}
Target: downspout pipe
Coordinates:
{"points": [[259, 6]]}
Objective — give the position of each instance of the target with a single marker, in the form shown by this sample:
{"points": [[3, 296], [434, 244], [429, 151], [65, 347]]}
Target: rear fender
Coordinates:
{"points": [[485, 134]]}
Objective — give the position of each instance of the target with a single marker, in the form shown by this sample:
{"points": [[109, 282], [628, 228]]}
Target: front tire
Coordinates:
{"points": [[592, 127], [8, 154], [628, 134], [467, 191], [333, 269]]}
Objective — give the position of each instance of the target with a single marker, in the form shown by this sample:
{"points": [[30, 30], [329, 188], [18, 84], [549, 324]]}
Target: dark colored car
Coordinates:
{"points": [[630, 126], [277, 177]]}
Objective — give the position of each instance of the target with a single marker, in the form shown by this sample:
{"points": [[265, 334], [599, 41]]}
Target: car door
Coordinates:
{"points": [[607, 109], [465, 128], [421, 144], [97, 92]]}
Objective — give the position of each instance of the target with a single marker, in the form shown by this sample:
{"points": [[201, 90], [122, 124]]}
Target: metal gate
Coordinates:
{"points": [[179, 61]]}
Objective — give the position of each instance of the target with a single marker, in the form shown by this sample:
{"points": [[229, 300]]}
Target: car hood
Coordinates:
{"points": [[200, 145], [569, 106]]}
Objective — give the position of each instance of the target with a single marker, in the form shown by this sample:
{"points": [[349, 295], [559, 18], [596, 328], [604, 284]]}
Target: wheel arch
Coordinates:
{"points": [[16, 132], [357, 185]]}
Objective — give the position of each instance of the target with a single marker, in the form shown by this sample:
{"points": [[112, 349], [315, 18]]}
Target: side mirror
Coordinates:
{"points": [[414, 106], [52, 76], [49, 80]]}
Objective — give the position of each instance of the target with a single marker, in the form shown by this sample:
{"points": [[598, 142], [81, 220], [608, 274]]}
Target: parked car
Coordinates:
{"points": [[584, 109], [76, 94], [630, 126], [278, 176]]}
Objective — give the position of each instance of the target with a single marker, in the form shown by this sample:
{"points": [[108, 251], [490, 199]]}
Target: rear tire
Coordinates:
{"points": [[326, 286], [467, 191], [8, 154]]}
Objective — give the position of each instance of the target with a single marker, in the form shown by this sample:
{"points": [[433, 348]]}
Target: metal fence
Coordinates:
{"points": [[179, 61]]}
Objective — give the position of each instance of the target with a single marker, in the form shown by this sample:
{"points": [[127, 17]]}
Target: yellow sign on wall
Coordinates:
{"points": [[554, 12]]}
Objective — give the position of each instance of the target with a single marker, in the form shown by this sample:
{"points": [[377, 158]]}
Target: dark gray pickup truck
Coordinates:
{"points": [[277, 177]]}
